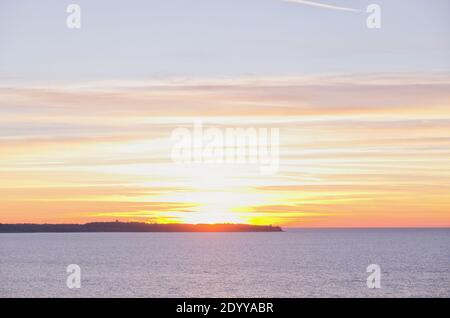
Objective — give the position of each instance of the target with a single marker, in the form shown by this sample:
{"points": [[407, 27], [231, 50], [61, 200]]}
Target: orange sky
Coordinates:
{"points": [[356, 151]]}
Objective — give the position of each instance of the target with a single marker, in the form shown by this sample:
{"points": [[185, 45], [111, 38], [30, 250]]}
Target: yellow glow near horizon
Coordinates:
{"points": [[385, 163]]}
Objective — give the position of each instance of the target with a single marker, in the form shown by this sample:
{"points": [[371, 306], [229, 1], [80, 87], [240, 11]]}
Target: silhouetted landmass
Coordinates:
{"points": [[134, 227]]}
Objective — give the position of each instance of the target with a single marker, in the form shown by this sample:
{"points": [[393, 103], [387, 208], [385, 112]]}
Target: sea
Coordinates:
{"points": [[294, 263]]}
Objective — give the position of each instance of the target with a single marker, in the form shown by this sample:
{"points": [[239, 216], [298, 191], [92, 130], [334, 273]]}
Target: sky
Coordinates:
{"points": [[86, 115]]}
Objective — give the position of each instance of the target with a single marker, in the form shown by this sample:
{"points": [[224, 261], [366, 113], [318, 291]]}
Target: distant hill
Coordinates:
{"points": [[134, 227]]}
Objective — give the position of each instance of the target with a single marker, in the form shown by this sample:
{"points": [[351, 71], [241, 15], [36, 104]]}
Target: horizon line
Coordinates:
{"points": [[246, 224]]}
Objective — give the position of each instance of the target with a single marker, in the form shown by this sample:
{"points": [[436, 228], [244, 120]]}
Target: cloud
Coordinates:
{"points": [[77, 152], [323, 5]]}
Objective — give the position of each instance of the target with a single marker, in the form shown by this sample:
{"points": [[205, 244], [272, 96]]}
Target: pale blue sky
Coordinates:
{"points": [[218, 38]]}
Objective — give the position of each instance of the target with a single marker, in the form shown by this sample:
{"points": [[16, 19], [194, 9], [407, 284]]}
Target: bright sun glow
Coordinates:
{"points": [[218, 194]]}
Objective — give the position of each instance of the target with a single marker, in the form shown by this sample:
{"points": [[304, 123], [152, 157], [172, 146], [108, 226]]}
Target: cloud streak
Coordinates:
{"points": [[101, 150], [323, 5]]}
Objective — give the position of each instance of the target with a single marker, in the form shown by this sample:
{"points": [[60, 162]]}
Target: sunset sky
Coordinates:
{"points": [[86, 115]]}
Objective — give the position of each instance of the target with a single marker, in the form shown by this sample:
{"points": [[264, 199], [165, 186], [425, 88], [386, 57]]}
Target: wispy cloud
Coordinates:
{"points": [[323, 5], [355, 148]]}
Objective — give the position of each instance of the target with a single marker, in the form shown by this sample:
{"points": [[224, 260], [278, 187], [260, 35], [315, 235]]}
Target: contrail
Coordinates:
{"points": [[323, 5]]}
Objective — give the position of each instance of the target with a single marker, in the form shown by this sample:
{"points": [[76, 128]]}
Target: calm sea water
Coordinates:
{"points": [[296, 263]]}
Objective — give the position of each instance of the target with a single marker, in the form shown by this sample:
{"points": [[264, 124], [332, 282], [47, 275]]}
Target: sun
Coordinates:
{"points": [[219, 195]]}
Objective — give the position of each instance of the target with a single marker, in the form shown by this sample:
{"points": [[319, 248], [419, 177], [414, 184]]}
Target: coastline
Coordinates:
{"points": [[98, 227]]}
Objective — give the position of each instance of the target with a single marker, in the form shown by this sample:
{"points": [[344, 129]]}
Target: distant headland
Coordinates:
{"points": [[134, 227]]}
